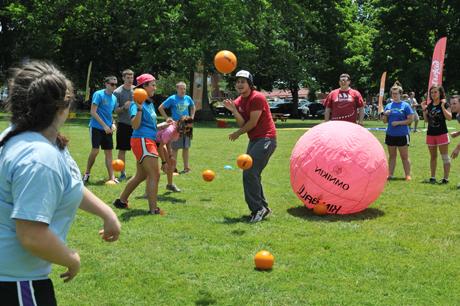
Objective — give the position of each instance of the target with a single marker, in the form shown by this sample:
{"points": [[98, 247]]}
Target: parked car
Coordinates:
{"points": [[280, 106], [316, 108], [220, 110]]}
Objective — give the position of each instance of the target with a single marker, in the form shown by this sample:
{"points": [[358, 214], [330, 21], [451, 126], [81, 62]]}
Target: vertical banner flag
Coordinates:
{"points": [[87, 81], [382, 91], [437, 65]]}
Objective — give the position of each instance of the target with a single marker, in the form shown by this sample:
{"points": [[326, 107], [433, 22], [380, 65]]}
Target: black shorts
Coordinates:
{"points": [[124, 132], [397, 141], [100, 139], [27, 292]]}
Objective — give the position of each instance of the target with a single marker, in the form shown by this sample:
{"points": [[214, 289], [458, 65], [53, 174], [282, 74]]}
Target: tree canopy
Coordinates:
{"points": [[284, 43]]}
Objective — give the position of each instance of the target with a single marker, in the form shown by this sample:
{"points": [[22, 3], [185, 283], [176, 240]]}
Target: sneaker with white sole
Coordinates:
{"points": [[261, 214], [86, 178], [172, 188]]}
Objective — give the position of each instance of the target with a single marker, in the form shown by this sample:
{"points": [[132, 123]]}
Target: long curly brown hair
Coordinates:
{"points": [[184, 130], [38, 90]]}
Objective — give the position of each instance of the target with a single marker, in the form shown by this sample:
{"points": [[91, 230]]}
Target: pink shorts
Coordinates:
{"points": [[438, 140]]}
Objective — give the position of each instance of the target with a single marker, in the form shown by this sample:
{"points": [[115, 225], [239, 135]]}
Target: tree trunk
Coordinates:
{"points": [[205, 113]]}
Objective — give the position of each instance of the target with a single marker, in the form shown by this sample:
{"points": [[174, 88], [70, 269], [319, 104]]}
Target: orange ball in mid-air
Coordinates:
{"points": [[264, 260], [244, 161], [225, 61], [320, 209], [208, 175], [140, 95], [118, 165]]}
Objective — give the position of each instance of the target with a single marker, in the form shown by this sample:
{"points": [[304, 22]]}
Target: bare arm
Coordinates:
{"points": [[230, 105], [94, 114], [95, 206], [38, 239], [360, 115], [162, 111], [446, 111], [249, 125], [327, 114], [192, 112], [136, 120]]}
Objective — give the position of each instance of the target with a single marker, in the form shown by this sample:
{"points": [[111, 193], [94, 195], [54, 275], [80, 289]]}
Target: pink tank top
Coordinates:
{"points": [[168, 134]]}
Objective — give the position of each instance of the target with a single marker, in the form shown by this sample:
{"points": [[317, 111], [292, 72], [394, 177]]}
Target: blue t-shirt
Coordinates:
{"points": [[179, 106], [106, 105], [399, 112], [38, 182], [148, 126]]}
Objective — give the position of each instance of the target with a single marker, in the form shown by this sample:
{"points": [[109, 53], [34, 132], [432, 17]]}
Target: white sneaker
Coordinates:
{"points": [[261, 214]]}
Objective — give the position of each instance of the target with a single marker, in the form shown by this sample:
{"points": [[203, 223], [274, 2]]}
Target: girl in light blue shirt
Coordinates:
{"points": [[40, 189]]}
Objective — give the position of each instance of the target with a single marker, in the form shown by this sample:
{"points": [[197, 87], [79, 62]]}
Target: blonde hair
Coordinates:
{"points": [[397, 86]]}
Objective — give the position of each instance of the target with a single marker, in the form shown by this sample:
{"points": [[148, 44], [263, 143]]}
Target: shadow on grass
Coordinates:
{"points": [[96, 183], [164, 198], [205, 299], [304, 213], [131, 213], [233, 220]]}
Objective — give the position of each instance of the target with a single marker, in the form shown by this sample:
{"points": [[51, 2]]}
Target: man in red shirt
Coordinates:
{"points": [[344, 103], [253, 116]]}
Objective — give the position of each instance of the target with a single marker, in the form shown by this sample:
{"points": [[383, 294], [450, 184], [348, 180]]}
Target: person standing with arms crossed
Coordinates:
{"points": [[344, 103], [180, 105], [414, 104], [124, 95], [101, 127], [253, 116], [40, 189]]}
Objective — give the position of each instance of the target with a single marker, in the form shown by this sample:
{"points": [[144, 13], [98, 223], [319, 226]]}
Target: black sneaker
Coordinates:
{"points": [[261, 214], [86, 178], [431, 180], [443, 181], [172, 188], [119, 204]]}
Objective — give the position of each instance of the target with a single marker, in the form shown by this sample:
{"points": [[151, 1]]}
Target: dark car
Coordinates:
{"points": [[280, 106], [316, 108]]}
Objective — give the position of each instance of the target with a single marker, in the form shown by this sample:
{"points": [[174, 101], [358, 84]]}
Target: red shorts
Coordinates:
{"points": [[143, 147], [438, 140]]}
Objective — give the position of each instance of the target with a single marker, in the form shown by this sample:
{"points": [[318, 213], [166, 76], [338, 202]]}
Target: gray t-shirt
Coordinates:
{"points": [[123, 95]]}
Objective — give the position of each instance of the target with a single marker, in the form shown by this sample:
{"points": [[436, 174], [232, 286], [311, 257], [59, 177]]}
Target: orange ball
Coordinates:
{"points": [[118, 165], [264, 260], [140, 95], [244, 161], [320, 209], [208, 175], [225, 61]]}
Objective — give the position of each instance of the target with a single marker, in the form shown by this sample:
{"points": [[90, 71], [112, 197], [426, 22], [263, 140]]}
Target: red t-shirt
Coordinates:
{"points": [[256, 101], [344, 104]]}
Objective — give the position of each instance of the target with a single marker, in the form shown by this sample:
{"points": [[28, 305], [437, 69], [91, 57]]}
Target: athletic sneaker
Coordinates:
{"points": [[443, 181], [86, 178], [261, 214], [431, 180], [186, 170], [119, 204], [390, 178], [172, 188], [122, 177]]}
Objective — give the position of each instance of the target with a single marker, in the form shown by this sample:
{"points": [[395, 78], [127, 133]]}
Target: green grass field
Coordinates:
{"points": [[403, 250]]}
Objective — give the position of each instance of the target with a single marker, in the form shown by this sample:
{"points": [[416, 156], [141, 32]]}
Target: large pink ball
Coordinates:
{"points": [[341, 164]]}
